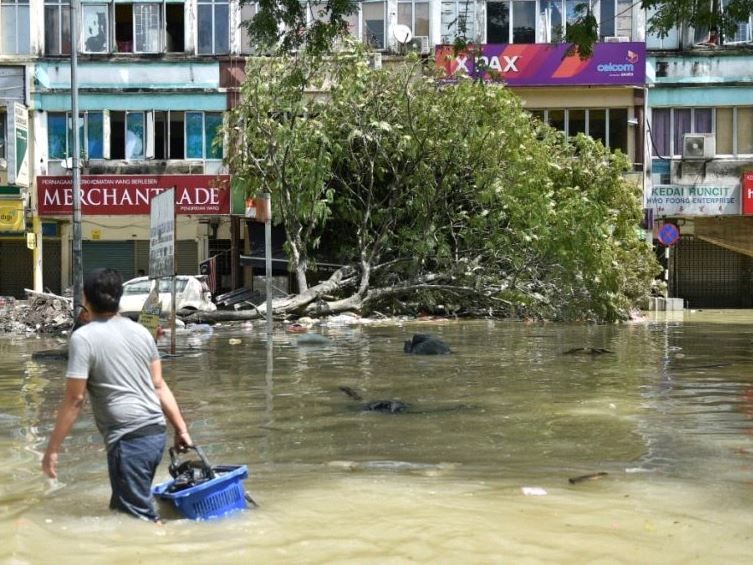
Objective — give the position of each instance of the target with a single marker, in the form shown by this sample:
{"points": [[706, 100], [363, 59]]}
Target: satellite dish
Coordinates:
{"points": [[402, 33]]}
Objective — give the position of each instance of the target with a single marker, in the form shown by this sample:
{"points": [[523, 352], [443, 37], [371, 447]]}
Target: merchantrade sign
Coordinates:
{"points": [[132, 194], [545, 64]]}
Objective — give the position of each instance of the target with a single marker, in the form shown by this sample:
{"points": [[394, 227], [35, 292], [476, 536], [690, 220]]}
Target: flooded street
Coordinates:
{"points": [[667, 414]]}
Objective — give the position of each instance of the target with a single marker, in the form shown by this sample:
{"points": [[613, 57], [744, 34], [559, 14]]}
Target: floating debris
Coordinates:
{"points": [[589, 477]]}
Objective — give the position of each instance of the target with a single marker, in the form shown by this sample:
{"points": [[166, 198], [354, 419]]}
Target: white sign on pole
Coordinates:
{"points": [[162, 235]]}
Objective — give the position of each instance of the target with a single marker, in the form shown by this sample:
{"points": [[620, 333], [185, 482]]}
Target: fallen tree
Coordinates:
{"points": [[433, 193]]}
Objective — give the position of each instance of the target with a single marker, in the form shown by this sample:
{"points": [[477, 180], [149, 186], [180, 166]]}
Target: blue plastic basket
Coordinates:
{"points": [[212, 499]]}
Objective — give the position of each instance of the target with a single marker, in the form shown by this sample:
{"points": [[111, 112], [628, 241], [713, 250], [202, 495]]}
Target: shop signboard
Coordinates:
{"points": [[748, 193], [19, 174], [545, 64], [12, 216], [162, 235], [694, 200], [131, 194]]}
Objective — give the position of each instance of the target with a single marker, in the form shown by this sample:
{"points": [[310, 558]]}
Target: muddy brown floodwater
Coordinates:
{"points": [[475, 471]]}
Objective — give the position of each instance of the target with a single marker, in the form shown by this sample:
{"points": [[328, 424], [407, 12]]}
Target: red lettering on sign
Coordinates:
{"points": [[747, 193]]}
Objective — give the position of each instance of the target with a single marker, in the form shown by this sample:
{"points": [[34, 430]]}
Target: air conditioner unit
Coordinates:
{"points": [[616, 39], [698, 146], [420, 44], [375, 60]]}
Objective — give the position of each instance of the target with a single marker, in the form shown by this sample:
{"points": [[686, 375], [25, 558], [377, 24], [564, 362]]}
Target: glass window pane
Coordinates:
{"points": [[66, 35], [221, 28], [146, 25], [576, 122], [204, 23], [134, 144], [745, 131], [702, 119], [659, 131], [557, 119], [618, 129], [95, 135], [724, 131], [523, 21], [681, 127], [94, 28], [52, 30], [497, 22], [3, 125], [405, 14], [56, 136], [597, 125], [606, 27], [538, 114], [213, 127], [551, 21], [194, 135], [24, 30], [8, 30], [248, 11], [421, 19], [373, 24]]}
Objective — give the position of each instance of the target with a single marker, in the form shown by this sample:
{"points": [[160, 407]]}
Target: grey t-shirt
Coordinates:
{"points": [[115, 356]]}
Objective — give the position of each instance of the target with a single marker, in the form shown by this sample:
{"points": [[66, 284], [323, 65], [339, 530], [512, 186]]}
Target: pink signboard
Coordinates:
{"points": [[130, 194], [547, 64]]}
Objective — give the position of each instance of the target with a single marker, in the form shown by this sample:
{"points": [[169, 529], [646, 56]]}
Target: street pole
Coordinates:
{"points": [[268, 258], [78, 272]]}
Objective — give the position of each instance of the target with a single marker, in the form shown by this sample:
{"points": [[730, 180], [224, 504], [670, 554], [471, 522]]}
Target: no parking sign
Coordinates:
{"points": [[669, 234]]}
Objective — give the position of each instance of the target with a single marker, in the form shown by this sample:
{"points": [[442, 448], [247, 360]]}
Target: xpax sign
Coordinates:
{"points": [[747, 193], [119, 195]]}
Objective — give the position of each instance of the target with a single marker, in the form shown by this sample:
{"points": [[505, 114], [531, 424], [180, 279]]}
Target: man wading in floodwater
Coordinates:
{"points": [[117, 362]]}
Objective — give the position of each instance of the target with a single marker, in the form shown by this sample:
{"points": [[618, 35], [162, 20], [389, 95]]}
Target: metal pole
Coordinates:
{"points": [[78, 272], [173, 298], [268, 257]]}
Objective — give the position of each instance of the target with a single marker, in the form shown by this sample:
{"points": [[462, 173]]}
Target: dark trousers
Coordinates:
{"points": [[132, 463]]}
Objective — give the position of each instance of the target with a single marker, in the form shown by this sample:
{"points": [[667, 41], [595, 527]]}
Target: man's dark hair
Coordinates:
{"points": [[103, 289]]}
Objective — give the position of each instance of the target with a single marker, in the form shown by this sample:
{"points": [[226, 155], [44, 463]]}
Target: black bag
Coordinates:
{"points": [[189, 473]]}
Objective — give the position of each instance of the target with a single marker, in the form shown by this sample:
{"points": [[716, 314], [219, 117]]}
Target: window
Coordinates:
{"points": [[202, 129], [734, 131], [94, 28], [608, 125], [458, 20], [174, 28], [128, 135], [57, 27], [616, 18], [497, 22], [668, 126], [3, 129], [138, 27], [60, 135], [213, 21], [248, 11], [515, 21], [653, 41], [373, 24], [742, 32], [415, 15], [551, 29], [14, 31]]}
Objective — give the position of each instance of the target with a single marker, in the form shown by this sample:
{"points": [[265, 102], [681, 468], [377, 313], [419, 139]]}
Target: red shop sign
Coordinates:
{"points": [[748, 193], [119, 195]]}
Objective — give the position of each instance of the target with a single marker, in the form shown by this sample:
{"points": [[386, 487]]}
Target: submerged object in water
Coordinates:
{"points": [[313, 339], [589, 477], [424, 344], [587, 351], [386, 406], [51, 355]]}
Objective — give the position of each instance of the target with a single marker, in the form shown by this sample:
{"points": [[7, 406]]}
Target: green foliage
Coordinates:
{"points": [[440, 191]]}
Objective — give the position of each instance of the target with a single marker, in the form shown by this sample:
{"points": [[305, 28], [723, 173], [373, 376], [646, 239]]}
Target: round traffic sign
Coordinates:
{"points": [[669, 234]]}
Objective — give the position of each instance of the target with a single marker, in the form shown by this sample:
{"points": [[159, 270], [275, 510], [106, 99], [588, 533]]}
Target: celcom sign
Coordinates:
{"points": [[544, 64]]}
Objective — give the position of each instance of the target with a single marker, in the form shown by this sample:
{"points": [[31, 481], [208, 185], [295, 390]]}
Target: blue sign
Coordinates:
{"points": [[669, 234]]}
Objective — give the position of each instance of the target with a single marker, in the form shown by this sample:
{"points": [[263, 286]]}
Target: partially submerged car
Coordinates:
{"points": [[191, 293]]}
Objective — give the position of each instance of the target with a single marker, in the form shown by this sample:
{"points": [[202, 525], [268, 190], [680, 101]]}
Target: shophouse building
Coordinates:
{"points": [[700, 141]]}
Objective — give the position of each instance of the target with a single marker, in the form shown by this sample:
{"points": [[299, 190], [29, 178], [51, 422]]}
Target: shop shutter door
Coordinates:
{"points": [[142, 255], [187, 257], [15, 268], [118, 255], [51, 265], [709, 276]]}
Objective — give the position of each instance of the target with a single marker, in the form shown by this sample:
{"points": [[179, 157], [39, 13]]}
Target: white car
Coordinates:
{"points": [[191, 293]]}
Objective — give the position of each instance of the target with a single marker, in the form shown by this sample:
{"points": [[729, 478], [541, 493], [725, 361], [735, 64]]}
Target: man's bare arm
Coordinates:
{"points": [[70, 407], [170, 407]]}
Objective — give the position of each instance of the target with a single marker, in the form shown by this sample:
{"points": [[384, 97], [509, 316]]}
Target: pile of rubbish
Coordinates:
{"points": [[41, 313]]}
